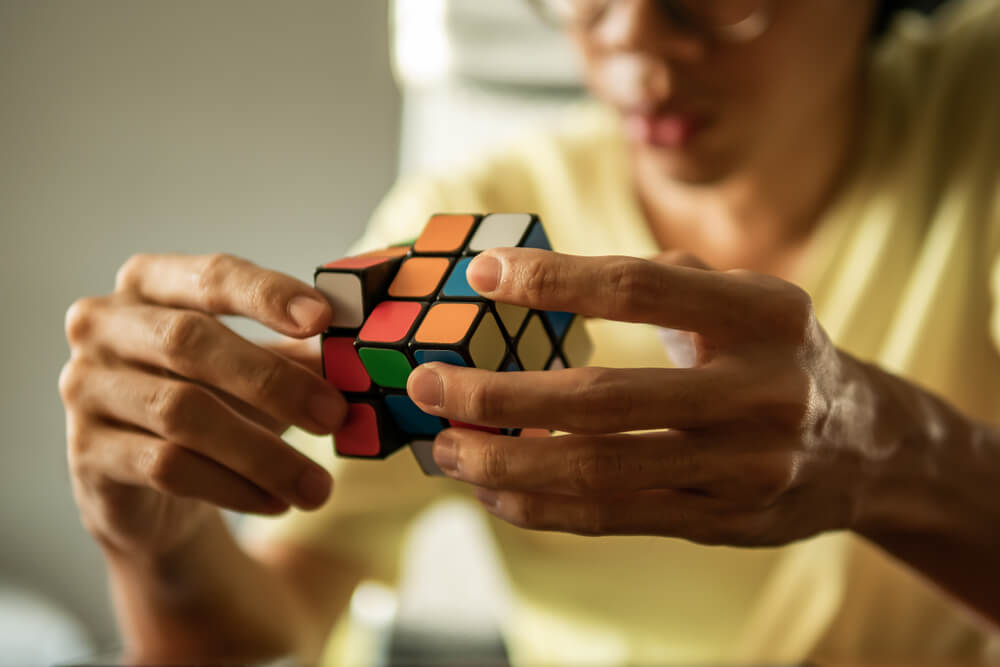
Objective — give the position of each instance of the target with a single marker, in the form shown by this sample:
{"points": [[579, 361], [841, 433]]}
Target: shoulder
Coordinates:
{"points": [[948, 59], [938, 76]]}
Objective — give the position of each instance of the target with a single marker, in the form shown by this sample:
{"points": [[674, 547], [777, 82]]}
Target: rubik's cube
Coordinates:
{"points": [[406, 305]]}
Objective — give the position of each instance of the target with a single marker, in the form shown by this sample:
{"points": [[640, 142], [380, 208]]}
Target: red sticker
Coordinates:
{"points": [[343, 367], [390, 322], [359, 435]]}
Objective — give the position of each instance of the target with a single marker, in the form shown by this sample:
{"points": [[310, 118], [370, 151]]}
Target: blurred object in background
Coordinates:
{"points": [[36, 631], [475, 74], [264, 129]]}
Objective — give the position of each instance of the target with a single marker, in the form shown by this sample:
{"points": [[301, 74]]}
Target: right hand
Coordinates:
{"points": [[170, 414]]}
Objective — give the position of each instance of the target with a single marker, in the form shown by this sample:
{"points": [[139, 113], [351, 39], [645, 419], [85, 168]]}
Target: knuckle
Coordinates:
{"points": [[482, 403], [181, 332], [268, 380], [127, 275], [72, 381], [596, 471], [604, 402], [783, 402], [78, 444], [173, 405], [788, 310], [212, 276], [524, 511], [266, 293], [628, 281], [493, 464], [689, 466], [541, 277], [164, 467], [79, 322], [775, 478]]}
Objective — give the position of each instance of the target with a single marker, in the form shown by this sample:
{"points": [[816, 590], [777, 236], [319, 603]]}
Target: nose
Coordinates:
{"points": [[647, 26]]}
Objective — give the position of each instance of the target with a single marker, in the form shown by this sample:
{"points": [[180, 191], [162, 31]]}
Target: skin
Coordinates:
{"points": [[804, 438], [171, 415]]}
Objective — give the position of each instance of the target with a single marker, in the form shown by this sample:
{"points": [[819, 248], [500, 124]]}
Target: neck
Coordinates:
{"points": [[770, 206]]}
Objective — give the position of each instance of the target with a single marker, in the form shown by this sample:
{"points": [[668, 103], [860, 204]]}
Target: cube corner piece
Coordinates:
{"points": [[368, 431], [423, 452], [355, 285]]}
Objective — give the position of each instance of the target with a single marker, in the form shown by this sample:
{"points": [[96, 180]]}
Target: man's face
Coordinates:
{"points": [[704, 108]]}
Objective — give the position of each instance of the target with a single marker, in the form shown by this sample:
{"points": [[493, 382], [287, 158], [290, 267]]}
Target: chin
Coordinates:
{"points": [[687, 167]]}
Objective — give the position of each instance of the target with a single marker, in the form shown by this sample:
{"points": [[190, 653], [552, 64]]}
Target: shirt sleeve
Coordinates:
{"points": [[373, 502]]}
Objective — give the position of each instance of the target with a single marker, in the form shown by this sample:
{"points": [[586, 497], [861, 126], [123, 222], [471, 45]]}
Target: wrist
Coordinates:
{"points": [[161, 565], [917, 466]]}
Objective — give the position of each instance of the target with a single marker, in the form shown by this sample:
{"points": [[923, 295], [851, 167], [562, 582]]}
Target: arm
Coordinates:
{"points": [[213, 600], [933, 502]]}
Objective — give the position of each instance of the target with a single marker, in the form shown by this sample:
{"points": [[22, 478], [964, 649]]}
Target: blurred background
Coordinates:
{"points": [[264, 129]]}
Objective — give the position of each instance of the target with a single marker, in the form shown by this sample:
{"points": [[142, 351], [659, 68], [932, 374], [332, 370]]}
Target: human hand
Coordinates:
{"points": [[171, 414], [769, 430]]}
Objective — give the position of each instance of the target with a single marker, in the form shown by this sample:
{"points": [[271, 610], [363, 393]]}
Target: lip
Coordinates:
{"points": [[665, 128]]}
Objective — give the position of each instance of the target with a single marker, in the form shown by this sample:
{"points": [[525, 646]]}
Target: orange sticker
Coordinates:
{"points": [[447, 323], [445, 233], [419, 277]]}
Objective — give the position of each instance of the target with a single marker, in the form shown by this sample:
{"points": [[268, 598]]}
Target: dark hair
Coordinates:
{"points": [[887, 10]]}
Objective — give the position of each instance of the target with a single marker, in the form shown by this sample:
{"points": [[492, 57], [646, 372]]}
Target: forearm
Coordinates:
{"points": [[933, 501], [212, 601]]}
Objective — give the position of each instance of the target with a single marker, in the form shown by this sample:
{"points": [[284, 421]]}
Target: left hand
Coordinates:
{"points": [[769, 432]]}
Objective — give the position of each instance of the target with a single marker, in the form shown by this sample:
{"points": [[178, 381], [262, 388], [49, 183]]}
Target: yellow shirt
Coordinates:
{"points": [[904, 270]]}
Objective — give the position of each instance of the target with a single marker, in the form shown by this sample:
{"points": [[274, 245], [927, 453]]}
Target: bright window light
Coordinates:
{"points": [[421, 53]]}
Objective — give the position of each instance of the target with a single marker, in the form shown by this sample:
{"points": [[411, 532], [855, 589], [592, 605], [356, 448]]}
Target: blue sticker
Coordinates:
{"points": [[410, 418], [536, 238], [458, 284], [447, 356], [559, 321]]}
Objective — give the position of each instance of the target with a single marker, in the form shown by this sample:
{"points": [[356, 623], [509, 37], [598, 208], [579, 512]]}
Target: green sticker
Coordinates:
{"points": [[388, 368]]}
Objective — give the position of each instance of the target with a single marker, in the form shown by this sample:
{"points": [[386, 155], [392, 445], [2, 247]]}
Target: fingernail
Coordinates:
{"points": [[314, 487], [306, 311], [425, 387], [487, 497], [446, 454], [484, 273], [327, 410]]}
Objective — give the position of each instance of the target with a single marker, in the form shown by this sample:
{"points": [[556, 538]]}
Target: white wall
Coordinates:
{"points": [[263, 128]]}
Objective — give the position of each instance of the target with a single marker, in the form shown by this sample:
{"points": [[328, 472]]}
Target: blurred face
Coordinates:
{"points": [[702, 106]]}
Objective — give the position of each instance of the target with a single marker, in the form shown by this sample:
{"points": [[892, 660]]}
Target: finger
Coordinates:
{"points": [[681, 346], [185, 414], [225, 285], [660, 512], [197, 346], [303, 352], [616, 288], [748, 473], [680, 258], [580, 400], [141, 459], [584, 465]]}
